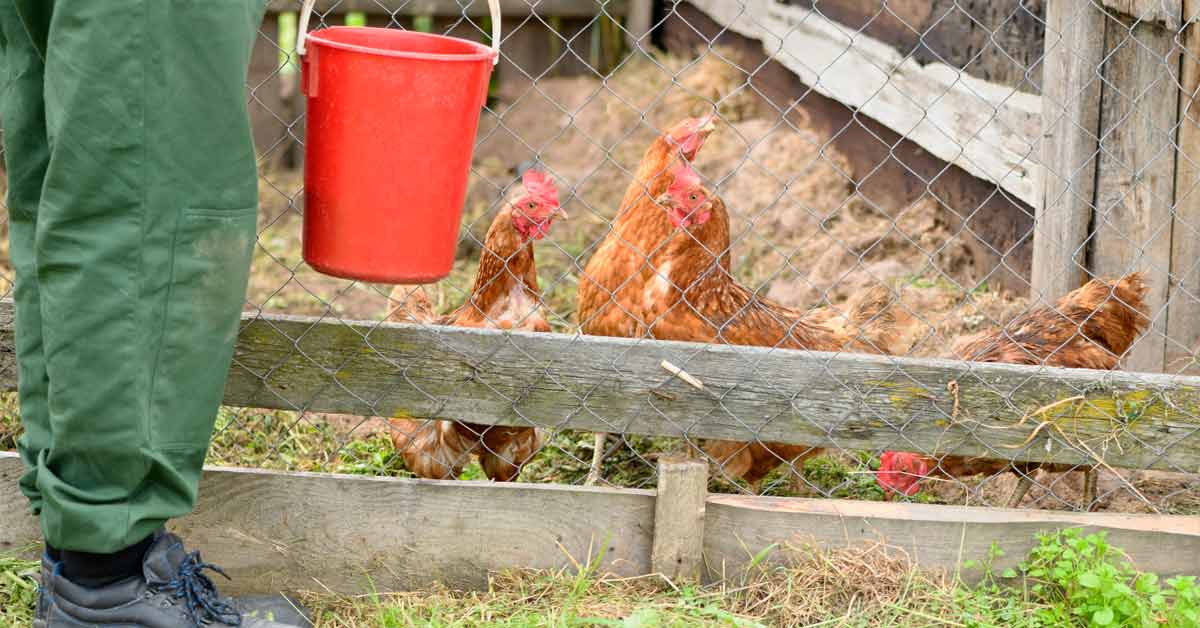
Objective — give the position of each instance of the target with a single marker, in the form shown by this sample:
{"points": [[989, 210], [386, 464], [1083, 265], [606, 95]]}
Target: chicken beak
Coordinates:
{"points": [[709, 124], [561, 213]]}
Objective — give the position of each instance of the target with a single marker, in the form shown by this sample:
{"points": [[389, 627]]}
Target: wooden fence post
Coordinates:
{"points": [[1070, 130], [677, 552], [1109, 112], [638, 20], [1183, 314]]}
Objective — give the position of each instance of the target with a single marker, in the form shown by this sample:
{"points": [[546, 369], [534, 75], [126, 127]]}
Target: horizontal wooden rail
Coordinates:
{"points": [[453, 8], [1131, 420], [276, 531]]}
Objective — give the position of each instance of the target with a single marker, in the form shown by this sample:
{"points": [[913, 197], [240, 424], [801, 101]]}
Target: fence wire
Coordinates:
{"points": [[857, 147]]}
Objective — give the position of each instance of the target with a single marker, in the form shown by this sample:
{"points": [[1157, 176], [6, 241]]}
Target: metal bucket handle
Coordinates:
{"points": [[493, 7]]}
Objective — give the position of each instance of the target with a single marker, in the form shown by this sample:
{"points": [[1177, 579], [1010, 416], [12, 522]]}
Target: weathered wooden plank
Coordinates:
{"points": [[19, 530], [1070, 139], [987, 129], [275, 531], [639, 19], [446, 8], [935, 537], [1143, 421], [995, 40], [1164, 12], [679, 519], [1136, 174], [1183, 314]]}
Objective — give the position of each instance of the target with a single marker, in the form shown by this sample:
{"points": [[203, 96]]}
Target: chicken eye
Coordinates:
{"points": [[694, 197], [531, 205]]}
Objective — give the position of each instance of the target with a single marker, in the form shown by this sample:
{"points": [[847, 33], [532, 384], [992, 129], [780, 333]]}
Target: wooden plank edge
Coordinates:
{"points": [[283, 531], [737, 528], [850, 401]]}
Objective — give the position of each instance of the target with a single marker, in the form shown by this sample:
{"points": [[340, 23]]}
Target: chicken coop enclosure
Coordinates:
{"points": [[939, 277]]}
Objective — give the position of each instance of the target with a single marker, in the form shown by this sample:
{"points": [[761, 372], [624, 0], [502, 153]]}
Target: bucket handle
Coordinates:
{"points": [[493, 8]]}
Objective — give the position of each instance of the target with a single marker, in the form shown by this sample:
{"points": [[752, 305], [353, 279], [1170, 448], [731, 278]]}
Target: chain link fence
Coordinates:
{"points": [[858, 147]]}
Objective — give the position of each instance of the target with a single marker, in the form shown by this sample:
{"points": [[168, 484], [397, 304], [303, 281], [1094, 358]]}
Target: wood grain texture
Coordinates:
{"points": [[987, 129], [1165, 12], [275, 531], [454, 8], [639, 19], [1183, 314], [1070, 139], [596, 384], [936, 537], [19, 531], [995, 40], [679, 519], [1136, 175]]}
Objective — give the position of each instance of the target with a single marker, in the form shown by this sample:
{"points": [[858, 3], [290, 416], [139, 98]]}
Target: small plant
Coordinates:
{"points": [[1083, 581]]}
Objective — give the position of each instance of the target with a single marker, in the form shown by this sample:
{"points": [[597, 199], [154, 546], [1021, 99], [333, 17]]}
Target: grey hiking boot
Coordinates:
{"points": [[171, 593]]}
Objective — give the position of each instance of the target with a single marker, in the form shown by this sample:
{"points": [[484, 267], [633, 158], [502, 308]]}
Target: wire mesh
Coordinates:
{"points": [[858, 146]]}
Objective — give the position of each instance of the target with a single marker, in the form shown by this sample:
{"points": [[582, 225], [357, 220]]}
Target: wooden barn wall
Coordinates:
{"points": [[889, 170], [996, 40]]}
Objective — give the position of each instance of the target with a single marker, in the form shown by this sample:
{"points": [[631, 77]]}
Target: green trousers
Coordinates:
{"points": [[132, 201]]}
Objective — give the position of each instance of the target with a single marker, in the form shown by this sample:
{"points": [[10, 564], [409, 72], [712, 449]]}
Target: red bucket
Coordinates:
{"points": [[391, 121]]}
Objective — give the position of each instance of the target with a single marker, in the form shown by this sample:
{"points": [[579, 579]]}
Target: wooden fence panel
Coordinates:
{"points": [[1140, 421]]}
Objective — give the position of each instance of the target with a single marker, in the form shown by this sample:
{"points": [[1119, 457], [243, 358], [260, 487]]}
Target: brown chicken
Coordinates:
{"points": [[1091, 327], [610, 289], [505, 296], [694, 297]]}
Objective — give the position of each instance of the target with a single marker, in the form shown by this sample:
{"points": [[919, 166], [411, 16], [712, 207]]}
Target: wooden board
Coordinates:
{"points": [[1164, 12], [1183, 314], [1136, 174], [987, 129], [600, 384], [679, 519], [1071, 118], [276, 531], [995, 40], [442, 8], [935, 537]]}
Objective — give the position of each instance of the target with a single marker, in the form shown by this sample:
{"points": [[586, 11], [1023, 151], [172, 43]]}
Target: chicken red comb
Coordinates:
{"points": [[685, 180], [541, 187]]}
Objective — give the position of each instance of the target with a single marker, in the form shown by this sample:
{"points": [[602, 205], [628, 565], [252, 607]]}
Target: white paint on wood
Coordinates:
{"points": [[986, 129]]}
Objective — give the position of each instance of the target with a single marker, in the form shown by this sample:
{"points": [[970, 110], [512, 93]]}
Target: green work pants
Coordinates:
{"points": [[132, 201]]}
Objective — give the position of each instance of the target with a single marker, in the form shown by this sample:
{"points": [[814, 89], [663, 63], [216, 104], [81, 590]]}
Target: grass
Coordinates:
{"points": [[1069, 580]]}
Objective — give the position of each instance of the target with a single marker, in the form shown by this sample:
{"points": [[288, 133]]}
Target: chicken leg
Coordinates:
{"points": [[598, 447]]}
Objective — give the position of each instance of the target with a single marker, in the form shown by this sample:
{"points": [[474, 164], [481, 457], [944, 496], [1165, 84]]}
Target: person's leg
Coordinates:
{"points": [[144, 235], [141, 250], [26, 153]]}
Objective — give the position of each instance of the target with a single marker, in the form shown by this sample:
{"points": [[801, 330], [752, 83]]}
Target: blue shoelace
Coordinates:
{"points": [[199, 594]]}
